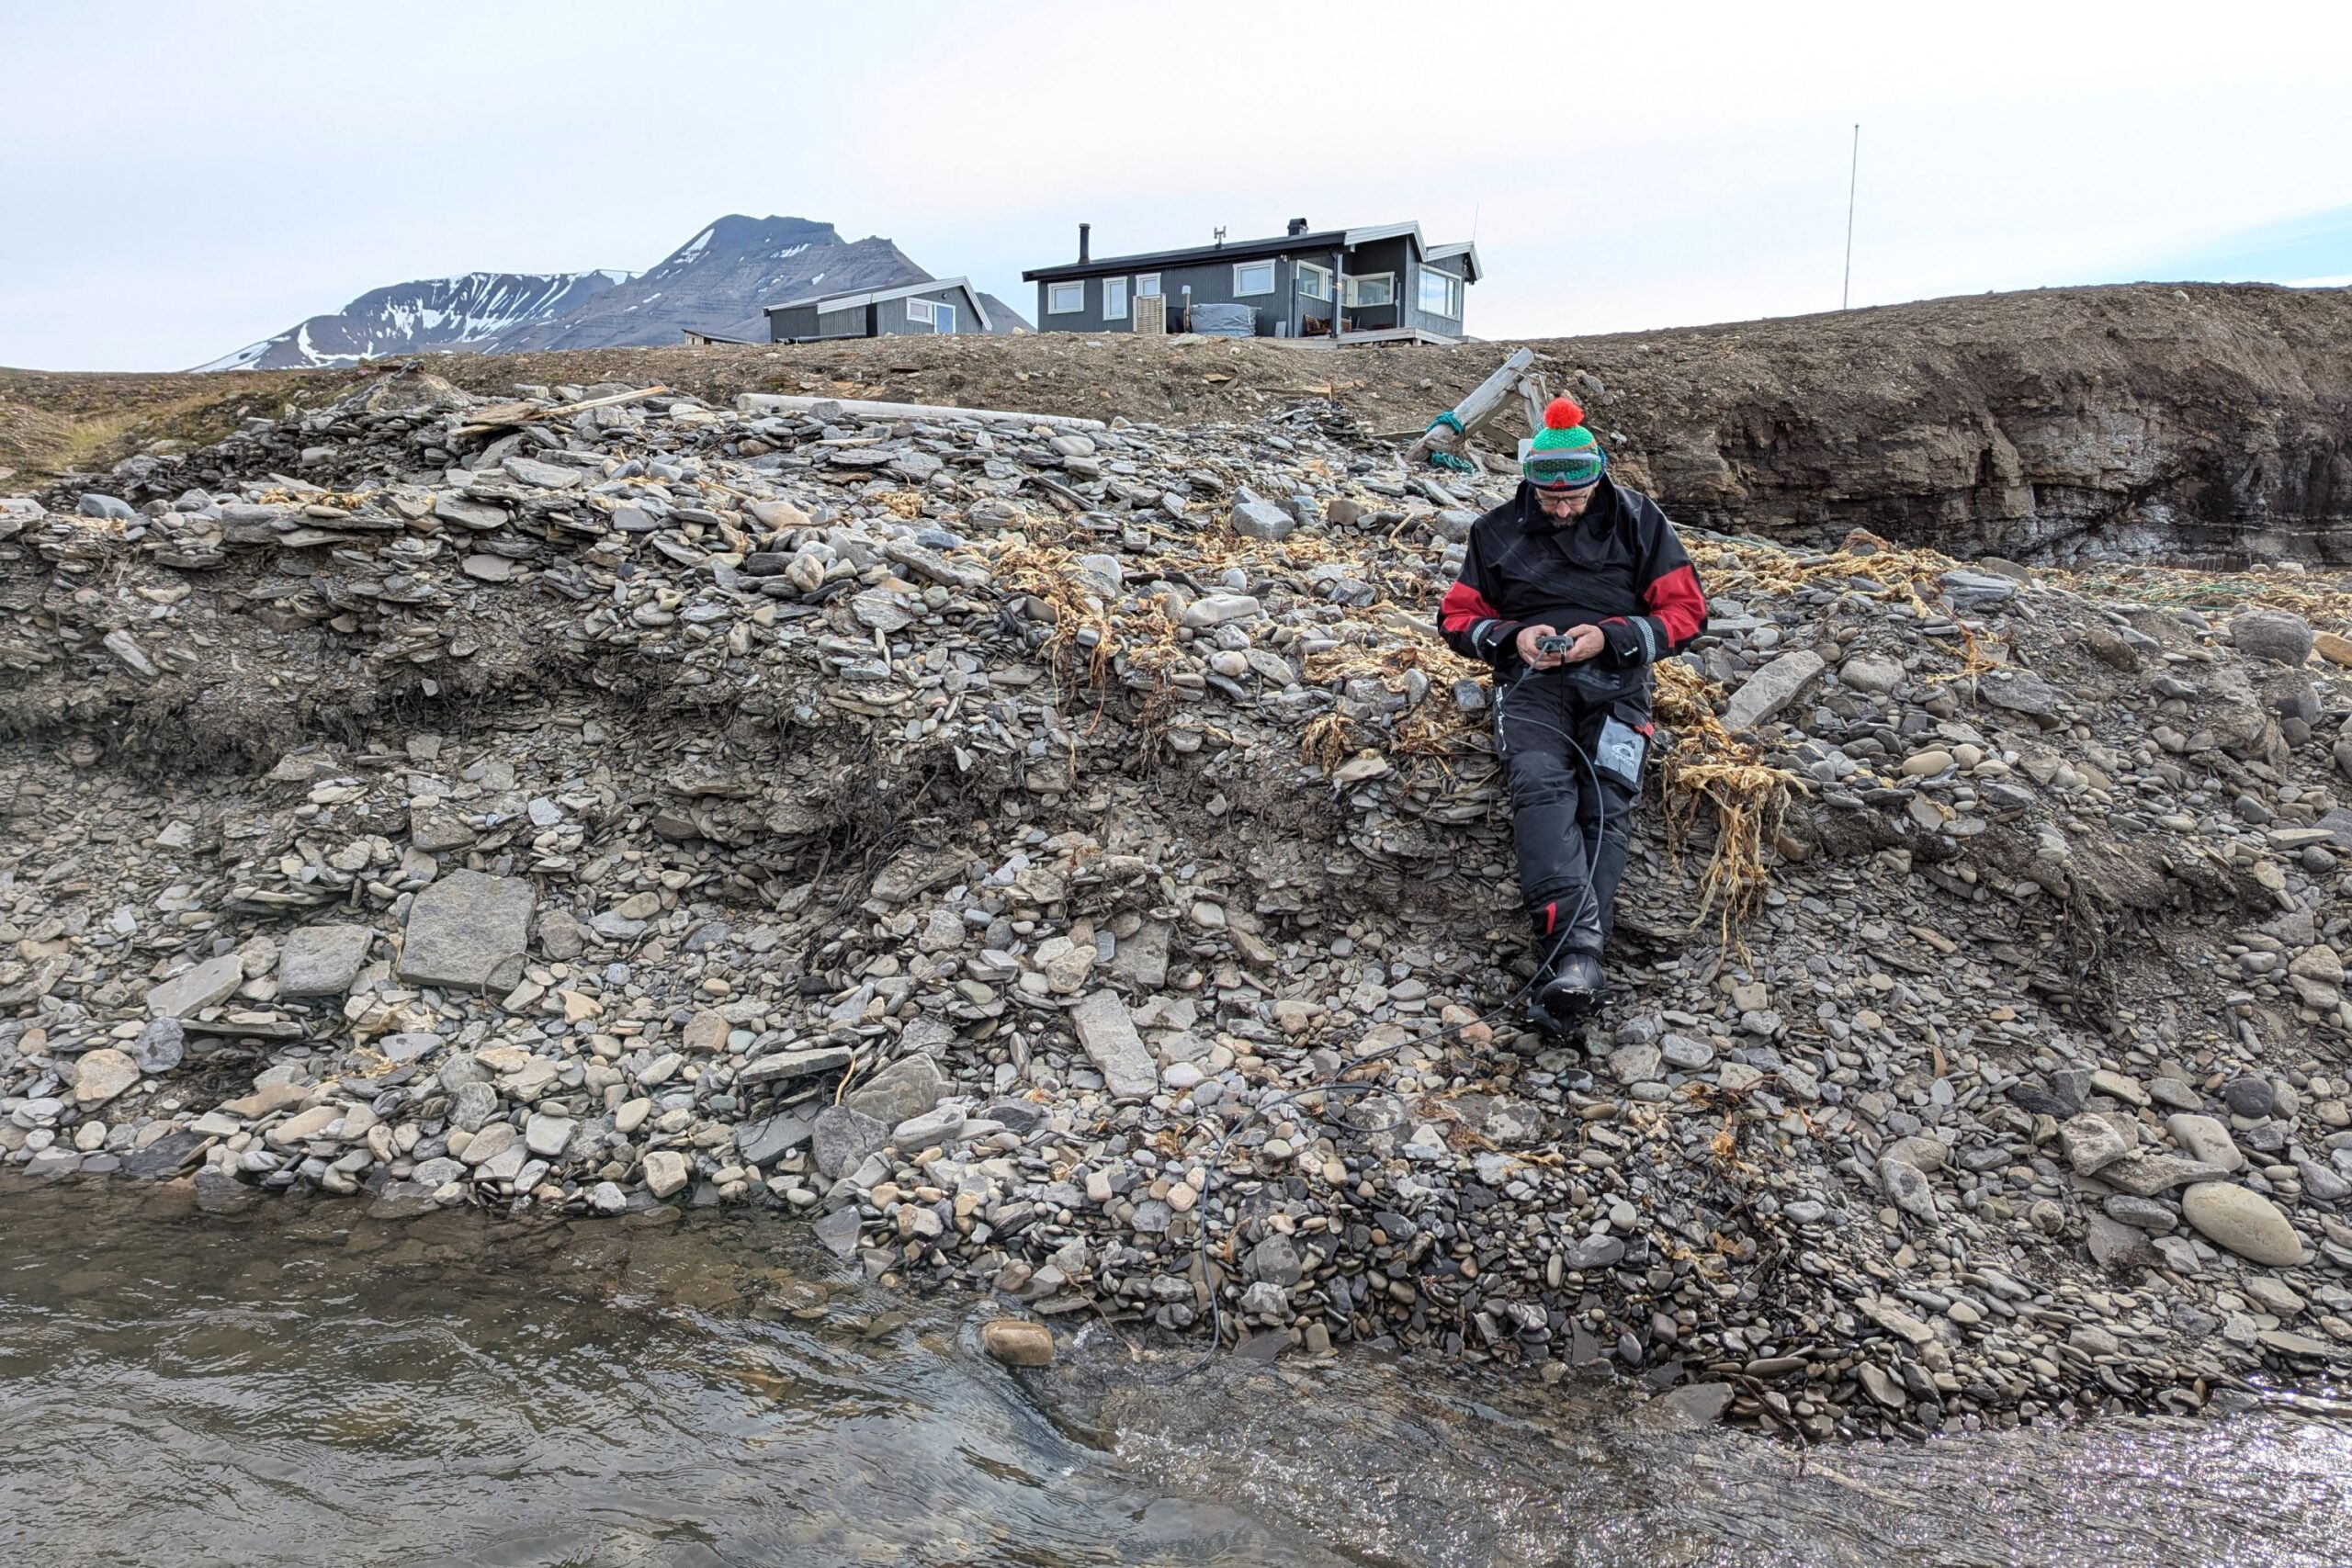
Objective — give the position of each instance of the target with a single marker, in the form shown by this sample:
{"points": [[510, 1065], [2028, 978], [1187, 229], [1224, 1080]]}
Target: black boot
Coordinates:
{"points": [[1568, 991]]}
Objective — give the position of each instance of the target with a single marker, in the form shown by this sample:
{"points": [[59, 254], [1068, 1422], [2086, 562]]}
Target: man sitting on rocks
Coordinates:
{"points": [[1571, 590]]}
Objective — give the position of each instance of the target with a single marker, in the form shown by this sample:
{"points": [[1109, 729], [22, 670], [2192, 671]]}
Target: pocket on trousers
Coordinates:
{"points": [[1619, 752]]}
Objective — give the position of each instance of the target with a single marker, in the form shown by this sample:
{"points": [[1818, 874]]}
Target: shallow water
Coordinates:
{"points": [[300, 1384]]}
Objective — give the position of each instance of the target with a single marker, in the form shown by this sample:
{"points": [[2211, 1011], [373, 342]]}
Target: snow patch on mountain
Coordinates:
{"points": [[435, 315]]}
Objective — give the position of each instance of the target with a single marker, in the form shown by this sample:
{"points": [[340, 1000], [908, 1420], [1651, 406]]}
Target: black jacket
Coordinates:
{"points": [[1619, 567]]}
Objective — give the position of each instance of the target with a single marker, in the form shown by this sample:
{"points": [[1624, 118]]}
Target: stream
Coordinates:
{"points": [[300, 1384]]}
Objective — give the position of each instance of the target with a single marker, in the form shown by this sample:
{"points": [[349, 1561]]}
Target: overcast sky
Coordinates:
{"points": [[178, 180]]}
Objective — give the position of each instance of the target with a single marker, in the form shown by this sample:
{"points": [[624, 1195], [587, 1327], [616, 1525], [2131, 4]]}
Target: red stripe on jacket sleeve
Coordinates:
{"points": [[1678, 604], [1464, 607]]}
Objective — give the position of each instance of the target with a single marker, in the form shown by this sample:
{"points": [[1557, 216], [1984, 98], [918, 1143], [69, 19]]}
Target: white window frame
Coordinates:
{"points": [[1322, 274], [1241, 291], [1354, 289], [1452, 294], [1054, 292], [1108, 285], [920, 310], [1147, 285]]}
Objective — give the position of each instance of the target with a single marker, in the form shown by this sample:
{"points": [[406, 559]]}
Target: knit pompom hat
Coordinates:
{"points": [[1564, 454]]}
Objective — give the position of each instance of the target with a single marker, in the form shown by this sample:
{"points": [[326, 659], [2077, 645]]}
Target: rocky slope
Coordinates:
{"points": [[1062, 861], [718, 281]]}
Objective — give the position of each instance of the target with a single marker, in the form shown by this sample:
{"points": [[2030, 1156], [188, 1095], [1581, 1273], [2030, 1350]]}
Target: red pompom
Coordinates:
{"points": [[1561, 413]]}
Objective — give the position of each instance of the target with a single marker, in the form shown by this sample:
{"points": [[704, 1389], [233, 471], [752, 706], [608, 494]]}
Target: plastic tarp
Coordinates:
{"points": [[1225, 321]]}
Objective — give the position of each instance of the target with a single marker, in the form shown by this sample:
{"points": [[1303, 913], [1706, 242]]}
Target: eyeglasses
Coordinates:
{"points": [[1563, 504]]}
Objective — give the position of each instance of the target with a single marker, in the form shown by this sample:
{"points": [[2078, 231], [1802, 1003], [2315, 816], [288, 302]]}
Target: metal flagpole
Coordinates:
{"points": [[1853, 172]]}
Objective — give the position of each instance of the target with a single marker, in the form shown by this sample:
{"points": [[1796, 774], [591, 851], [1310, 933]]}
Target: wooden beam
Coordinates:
{"points": [[1486, 399]]}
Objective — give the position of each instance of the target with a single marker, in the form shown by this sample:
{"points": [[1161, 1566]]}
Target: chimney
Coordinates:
{"points": [[1084, 231], [1297, 227]]}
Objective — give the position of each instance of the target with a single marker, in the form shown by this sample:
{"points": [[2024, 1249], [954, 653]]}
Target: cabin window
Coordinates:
{"points": [[1115, 298], [1372, 289], [1065, 298], [1440, 294], [1252, 277], [918, 316], [1314, 282], [1147, 285]]}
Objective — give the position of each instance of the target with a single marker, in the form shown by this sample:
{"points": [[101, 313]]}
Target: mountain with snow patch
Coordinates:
{"points": [[718, 282], [434, 315]]}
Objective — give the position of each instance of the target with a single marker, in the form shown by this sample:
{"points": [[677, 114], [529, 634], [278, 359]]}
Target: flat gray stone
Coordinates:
{"points": [[1216, 609], [1908, 1186], [771, 1138], [2140, 1214], [920, 1132], [212, 982], [783, 1066], [539, 475], [900, 1091], [838, 1231], [322, 960], [488, 1144], [1871, 672], [1142, 959], [468, 930], [1634, 1064], [548, 1136], [2145, 1175], [1592, 1252], [159, 1046], [1772, 688], [409, 1045], [1111, 1042], [1693, 1405], [2092, 1142], [477, 516], [2019, 692], [434, 828], [841, 1138], [1262, 519], [1686, 1055]]}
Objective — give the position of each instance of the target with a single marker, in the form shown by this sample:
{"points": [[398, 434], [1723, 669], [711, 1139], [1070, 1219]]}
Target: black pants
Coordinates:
{"points": [[1572, 816]]}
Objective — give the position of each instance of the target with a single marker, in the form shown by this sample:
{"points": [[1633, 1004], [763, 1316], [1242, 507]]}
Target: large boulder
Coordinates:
{"points": [[2275, 635], [2244, 1221], [468, 930]]}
